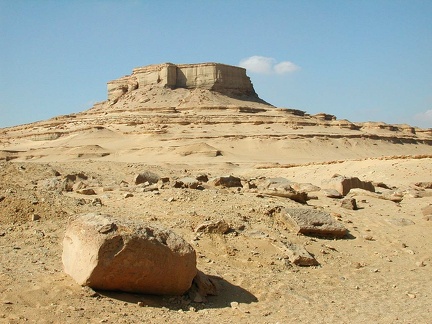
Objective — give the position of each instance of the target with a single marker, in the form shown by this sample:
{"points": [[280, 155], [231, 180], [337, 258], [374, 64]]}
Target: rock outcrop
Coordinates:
{"points": [[102, 252], [209, 76]]}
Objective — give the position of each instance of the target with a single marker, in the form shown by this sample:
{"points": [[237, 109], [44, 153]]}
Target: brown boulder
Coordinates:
{"points": [[102, 252]]}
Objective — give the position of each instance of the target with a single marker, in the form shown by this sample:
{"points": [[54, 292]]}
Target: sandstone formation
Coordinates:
{"points": [[105, 253]]}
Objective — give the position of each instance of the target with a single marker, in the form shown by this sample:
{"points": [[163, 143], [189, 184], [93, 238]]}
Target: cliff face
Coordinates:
{"points": [[208, 76]]}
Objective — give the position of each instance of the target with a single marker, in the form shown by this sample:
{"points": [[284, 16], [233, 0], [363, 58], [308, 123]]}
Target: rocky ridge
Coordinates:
{"points": [[190, 111]]}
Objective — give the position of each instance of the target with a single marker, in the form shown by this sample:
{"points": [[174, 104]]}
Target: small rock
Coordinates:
{"points": [[411, 295], [420, 264], [2, 198], [349, 203], [86, 191], [400, 221], [227, 182], [214, 227], [426, 211], [331, 193], [234, 305], [35, 217], [202, 178], [96, 202], [128, 195]]}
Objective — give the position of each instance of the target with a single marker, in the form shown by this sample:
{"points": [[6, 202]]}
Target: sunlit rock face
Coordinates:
{"points": [[209, 76]]}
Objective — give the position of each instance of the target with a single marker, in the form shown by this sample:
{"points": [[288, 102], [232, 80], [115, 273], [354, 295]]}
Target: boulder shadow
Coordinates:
{"points": [[227, 293]]}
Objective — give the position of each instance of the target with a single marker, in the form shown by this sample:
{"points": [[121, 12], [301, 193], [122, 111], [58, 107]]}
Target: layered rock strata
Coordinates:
{"points": [[209, 76]]}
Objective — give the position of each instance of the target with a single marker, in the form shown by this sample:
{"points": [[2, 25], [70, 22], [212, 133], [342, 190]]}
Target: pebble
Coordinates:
{"points": [[234, 305], [420, 264], [34, 217]]}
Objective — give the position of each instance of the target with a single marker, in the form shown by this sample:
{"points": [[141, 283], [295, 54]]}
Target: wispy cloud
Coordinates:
{"points": [[424, 118], [267, 65]]}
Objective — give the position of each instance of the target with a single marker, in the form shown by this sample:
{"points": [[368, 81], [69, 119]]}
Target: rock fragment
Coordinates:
{"points": [[424, 185], [227, 182], [146, 176], [349, 203], [311, 222], [344, 184], [187, 182], [427, 212], [297, 254], [213, 227], [86, 191], [202, 286]]}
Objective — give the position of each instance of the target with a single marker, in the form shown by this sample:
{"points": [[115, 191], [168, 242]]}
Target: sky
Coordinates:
{"points": [[363, 60]]}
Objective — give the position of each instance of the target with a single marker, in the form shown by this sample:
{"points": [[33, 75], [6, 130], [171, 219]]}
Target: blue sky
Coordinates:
{"points": [[364, 60]]}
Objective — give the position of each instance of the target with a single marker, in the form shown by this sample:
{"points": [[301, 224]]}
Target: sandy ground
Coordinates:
{"points": [[380, 272]]}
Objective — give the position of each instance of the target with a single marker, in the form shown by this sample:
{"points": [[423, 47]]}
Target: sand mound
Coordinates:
{"points": [[202, 149]]}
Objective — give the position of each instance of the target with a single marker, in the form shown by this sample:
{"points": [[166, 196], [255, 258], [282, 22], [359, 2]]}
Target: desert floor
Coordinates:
{"points": [[380, 272]]}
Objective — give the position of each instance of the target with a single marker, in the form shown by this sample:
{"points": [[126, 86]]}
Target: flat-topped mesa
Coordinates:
{"points": [[210, 76]]}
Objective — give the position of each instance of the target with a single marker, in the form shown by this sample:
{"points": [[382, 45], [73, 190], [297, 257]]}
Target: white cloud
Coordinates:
{"points": [[285, 67], [267, 65], [424, 118]]}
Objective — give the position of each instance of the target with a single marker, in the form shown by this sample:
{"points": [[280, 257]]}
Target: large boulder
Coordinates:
{"points": [[105, 253], [344, 184]]}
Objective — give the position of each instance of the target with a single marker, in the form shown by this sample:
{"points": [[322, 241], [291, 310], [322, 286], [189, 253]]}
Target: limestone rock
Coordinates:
{"points": [[344, 184], [427, 212], [146, 176], [288, 192], [349, 203], [331, 193], [105, 253], [400, 221], [228, 182], [311, 222], [202, 286], [86, 191], [211, 76], [424, 185], [187, 182], [215, 227], [297, 254]]}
